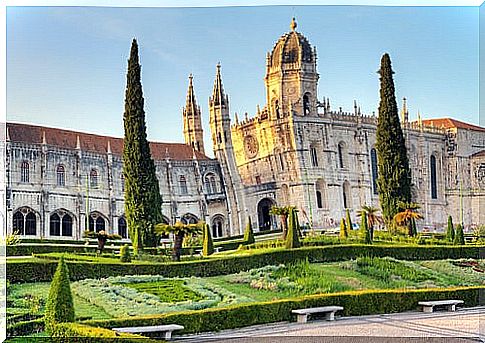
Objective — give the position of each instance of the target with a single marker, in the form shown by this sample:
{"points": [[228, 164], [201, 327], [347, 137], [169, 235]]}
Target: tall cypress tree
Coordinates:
{"points": [[142, 194], [394, 181]]}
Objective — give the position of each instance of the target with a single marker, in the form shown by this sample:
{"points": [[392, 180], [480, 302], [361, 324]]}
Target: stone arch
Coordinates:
{"points": [[26, 221], [61, 223], [212, 183], [217, 225], [98, 221], [321, 193], [307, 101], [265, 219], [189, 218]]}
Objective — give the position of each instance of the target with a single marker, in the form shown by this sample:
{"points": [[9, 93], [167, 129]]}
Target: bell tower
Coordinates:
{"points": [[291, 76], [193, 132]]}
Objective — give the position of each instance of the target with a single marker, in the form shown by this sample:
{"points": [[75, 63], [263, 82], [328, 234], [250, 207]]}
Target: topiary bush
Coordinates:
{"points": [[249, 233], [125, 255], [59, 307], [208, 244], [292, 240], [450, 230], [459, 236], [348, 222]]}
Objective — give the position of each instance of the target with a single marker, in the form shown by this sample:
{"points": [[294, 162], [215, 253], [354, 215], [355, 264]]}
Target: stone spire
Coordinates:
{"points": [[404, 112], [218, 97], [293, 24], [193, 132]]}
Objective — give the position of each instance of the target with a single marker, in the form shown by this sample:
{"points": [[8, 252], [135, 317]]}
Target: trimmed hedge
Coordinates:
{"points": [[25, 328], [73, 332], [28, 250], [35, 271], [355, 303]]}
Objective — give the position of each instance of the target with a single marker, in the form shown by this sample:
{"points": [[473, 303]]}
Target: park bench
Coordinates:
{"points": [[302, 314], [165, 330], [450, 304]]}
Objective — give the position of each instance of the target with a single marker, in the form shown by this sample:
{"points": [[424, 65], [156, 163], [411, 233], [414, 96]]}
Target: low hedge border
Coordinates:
{"points": [[42, 270], [28, 250], [355, 303], [25, 328], [74, 332]]}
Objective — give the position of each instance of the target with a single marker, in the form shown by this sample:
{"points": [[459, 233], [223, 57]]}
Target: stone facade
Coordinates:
{"points": [[295, 150]]}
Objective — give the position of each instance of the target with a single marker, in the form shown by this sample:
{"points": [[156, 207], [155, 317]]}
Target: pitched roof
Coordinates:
{"points": [[448, 123], [34, 134]]}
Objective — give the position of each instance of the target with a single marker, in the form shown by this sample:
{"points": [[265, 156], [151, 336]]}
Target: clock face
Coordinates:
{"points": [[251, 146]]}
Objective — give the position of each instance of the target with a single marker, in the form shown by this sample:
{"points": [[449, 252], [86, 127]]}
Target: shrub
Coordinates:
{"points": [[450, 230], [87, 334], [292, 240], [348, 221], [459, 237], [125, 255], [25, 328], [40, 270], [355, 303], [343, 229], [208, 246], [248, 233], [365, 232], [59, 307]]}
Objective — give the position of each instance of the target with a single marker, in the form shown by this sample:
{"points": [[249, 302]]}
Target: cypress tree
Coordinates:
{"points": [[348, 221], [248, 233], [59, 307], [292, 240], [364, 230], [343, 229], [394, 179], [142, 194], [459, 236], [450, 230], [208, 244]]}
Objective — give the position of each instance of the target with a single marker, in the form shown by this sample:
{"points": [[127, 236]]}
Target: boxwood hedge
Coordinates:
{"points": [[355, 303], [42, 270], [73, 332]]}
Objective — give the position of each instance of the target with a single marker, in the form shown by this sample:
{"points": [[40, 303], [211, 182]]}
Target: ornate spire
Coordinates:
{"points": [[293, 24], [404, 112], [190, 102], [218, 97]]}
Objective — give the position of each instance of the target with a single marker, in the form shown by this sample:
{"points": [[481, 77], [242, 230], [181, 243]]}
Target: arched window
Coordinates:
{"points": [[282, 161], [341, 151], [319, 199], [30, 224], [277, 109], [434, 190], [61, 176], [24, 172], [96, 222], [313, 156], [122, 229], [211, 183], [183, 185], [55, 225], [100, 224], [66, 225], [306, 104], [217, 226], [18, 223], [189, 219], [320, 193], [373, 161], [93, 177]]}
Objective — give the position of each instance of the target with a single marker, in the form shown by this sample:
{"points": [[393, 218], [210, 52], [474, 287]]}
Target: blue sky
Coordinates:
{"points": [[66, 65]]}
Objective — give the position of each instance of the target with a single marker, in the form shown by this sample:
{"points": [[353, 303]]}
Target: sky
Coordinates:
{"points": [[66, 66]]}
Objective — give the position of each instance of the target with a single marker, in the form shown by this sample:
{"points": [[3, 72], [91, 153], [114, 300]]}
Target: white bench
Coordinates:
{"points": [[166, 330], [302, 314], [450, 304]]}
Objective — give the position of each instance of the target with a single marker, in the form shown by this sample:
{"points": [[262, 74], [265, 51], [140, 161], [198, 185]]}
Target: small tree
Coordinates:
{"points": [[408, 215], [372, 218], [450, 230], [348, 221], [102, 237], [248, 233], [59, 307], [343, 229], [208, 244], [459, 236], [179, 230], [292, 240], [125, 255], [283, 212], [364, 230]]}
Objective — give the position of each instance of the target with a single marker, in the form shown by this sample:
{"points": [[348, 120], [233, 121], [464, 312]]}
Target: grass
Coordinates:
{"points": [[169, 291]]}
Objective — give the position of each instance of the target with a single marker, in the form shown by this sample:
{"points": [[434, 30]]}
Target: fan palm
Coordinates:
{"points": [[283, 212], [179, 230], [373, 218], [408, 215]]}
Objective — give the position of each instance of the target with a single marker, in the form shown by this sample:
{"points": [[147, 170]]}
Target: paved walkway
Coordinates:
{"points": [[461, 326]]}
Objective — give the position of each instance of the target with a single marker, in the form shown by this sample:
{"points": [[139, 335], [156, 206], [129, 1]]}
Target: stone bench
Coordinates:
{"points": [[302, 314], [450, 304], [166, 330]]}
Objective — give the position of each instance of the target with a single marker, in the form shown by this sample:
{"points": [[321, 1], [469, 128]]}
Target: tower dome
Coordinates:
{"points": [[292, 47]]}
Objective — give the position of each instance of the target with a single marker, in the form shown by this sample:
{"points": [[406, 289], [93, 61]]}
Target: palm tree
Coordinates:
{"points": [[283, 212], [408, 215], [373, 218], [179, 230]]}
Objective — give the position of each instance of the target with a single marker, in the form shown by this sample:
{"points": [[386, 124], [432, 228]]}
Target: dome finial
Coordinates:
{"points": [[293, 24]]}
